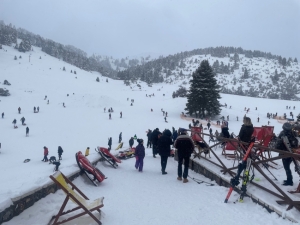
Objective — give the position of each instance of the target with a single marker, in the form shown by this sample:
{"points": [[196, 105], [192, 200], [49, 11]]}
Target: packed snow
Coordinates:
{"points": [[130, 197]]}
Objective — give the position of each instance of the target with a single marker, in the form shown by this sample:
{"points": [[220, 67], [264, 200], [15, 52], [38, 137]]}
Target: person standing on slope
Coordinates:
{"points": [[109, 143], [246, 130], [185, 147], [154, 140], [140, 155], [46, 152], [131, 142], [60, 152], [164, 149]]}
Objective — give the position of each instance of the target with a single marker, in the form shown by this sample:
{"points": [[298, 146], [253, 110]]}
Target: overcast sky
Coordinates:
{"points": [[122, 28]]}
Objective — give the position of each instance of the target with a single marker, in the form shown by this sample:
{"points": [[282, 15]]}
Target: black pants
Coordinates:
{"points": [[163, 161], [154, 149], [186, 166], [286, 165], [149, 144], [59, 156]]}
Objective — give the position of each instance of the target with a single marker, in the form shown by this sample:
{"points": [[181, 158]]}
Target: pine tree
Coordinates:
{"points": [[203, 96], [246, 74]]}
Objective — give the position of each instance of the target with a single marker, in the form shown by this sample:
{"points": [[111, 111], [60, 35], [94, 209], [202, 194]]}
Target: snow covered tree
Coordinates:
{"points": [[246, 74], [295, 60], [203, 96], [25, 46], [97, 79]]}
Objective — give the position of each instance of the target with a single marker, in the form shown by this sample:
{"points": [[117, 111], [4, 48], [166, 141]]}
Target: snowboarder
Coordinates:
{"points": [[120, 114], [120, 137], [87, 151], [2, 115], [27, 131], [19, 110], [22, 120], [139, 155], [46, 152], [60, 152], [34, 109], [14, 122], [109, 115], [131, 142], [185, 146], [164, 149], [109, 143]]}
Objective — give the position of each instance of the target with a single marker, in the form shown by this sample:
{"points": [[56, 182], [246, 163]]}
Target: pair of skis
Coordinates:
{"points": [[244, 165]]}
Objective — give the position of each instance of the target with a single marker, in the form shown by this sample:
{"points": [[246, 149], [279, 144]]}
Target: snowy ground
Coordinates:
{"points": [[130, 197]]}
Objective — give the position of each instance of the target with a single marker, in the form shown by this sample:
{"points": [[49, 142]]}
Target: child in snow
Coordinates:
{"points": [[60, 151], [140, 155], [87, 151]]}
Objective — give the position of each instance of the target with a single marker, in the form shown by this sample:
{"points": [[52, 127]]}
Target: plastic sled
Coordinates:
{"points": [[105, 154], [127, 154], [120, 146], [92, 173]]}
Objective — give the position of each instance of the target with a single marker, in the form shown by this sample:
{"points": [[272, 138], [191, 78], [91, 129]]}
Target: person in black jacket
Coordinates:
{"points": [[293, 141], [246, 130], [109, 143], [154, 140], [60, 151], [131, 142], [149, 133], [185, 147], [164, 149]]}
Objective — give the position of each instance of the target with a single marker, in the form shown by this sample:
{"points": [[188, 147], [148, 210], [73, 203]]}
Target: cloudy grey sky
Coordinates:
{"points": [[121, 28]]}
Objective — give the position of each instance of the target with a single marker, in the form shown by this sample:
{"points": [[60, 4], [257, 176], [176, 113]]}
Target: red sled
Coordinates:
{"points": [[92, 173], [107, 156]]}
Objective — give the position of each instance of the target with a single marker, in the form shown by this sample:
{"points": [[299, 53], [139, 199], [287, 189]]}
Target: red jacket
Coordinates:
{"points": [[45, 151]]}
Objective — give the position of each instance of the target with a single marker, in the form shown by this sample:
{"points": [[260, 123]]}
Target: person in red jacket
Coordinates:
{"points": [[46, 152]]}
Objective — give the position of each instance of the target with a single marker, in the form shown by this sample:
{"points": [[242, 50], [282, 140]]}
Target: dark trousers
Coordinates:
{"points": [[149, 144], [139, 163], [154, 149], [59, 156], [163, 161], [45, 159], [186, 166], [286, 165]]}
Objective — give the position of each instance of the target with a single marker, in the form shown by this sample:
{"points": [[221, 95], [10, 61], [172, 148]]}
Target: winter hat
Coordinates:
{"points": [[287, 126], [140, 141]]}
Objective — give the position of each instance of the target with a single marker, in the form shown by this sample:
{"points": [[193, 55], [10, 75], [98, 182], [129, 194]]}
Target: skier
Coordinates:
{"points": [[139, 155], [14, 122], [2, 115], [22, 120], [131, 142], [109, 143], [34, 109], [120, 114], [109, 115], [149, 133], [87, 151], [46, 152], [185, 146], [293, 142], [19, 110], [164, 149], [27, 131], [120, 137], [60, 152]]}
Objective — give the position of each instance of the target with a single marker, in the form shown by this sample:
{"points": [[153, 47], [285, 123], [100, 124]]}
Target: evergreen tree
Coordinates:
{"points": [[203, 96], [246, 74], [295, 60]]}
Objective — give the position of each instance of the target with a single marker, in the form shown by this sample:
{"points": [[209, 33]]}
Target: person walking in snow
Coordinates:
{"points": [[34, 109], [27, 131], [166, 119], [109, 116], [120, 114], [2, 115], [258, 119], [164, 149], [208, 125], [46, 152], [38, 109], [104, 109], [149, 133], [154, 140], [139, 155], [19, 110], [14, 122], [87, 151], [166, 114], [131, 142], [60, 152], [22, 120], [109, 143], [120, 137], [185, 147]]}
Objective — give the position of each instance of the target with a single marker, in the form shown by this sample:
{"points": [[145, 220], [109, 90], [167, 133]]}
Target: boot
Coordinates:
{"points": [[179, 178], [185, 180], [164, 173], [288, 183]]}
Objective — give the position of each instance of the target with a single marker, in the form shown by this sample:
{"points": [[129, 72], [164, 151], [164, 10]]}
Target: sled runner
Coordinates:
{"points": [[92, 173], [105, 154], [127, 154], [73, 193]]}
